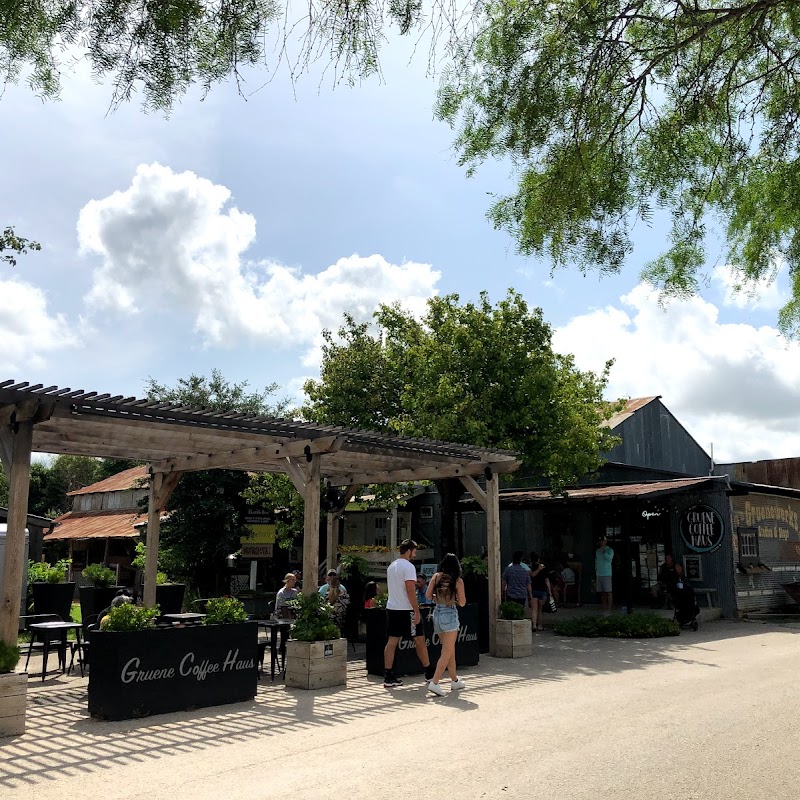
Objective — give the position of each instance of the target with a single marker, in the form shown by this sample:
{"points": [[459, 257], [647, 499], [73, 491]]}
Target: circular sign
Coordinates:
{"points": [[702, 529]]}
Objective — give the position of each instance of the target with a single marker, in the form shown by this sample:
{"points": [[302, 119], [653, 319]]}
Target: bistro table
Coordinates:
{"points": [[273, 626], [48, 632], [187, 618]]}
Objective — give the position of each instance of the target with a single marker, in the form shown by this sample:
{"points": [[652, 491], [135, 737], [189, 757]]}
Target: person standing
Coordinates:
{"points": [[602, 568], [403, 614], [516, 581], [447, 587]]}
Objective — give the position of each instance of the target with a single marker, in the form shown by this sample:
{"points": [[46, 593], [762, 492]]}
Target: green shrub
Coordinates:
{"points": [[140, 559], [474, 566], [314, 621], [98, 575], [224, 610], [128, 617], [354, 566], [511, 610], [382, 599], [618, 626], [9, 656], [42, 572]]}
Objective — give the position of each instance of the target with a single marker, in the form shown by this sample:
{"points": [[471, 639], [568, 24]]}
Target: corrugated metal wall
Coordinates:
{"points": [[776, 519], [716, 567], [653, 437]]}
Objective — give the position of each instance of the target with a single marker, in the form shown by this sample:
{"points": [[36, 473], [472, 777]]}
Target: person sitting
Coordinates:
{"points": [[333, 579], [288, 592], [569, 578], [422, 587], [371, 595], [667, 578]]}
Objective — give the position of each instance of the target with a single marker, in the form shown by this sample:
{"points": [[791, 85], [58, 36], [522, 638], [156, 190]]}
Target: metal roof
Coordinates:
{"points": [[626, 491], [97, 525], [133, 478], [631, 407], [177, 438]]}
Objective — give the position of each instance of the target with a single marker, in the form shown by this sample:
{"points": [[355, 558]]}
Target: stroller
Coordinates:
{"points": [[686, 608]]}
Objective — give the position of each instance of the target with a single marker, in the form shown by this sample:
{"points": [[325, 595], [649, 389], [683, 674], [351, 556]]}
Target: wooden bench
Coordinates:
{"points": [[709, 593]]}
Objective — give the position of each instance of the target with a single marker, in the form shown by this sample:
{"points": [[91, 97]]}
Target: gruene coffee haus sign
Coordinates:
{"points": [[702, 529], [139, 673]]}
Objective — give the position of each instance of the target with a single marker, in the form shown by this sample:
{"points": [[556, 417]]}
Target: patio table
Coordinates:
{"points": [[48, 632], [187, 618], [274, 626]]}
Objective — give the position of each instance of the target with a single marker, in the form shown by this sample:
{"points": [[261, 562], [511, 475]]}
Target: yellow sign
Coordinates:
{"points": [[260, 534]]}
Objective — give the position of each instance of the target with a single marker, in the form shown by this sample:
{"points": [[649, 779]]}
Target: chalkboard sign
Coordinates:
{"points": [[693, 568]]}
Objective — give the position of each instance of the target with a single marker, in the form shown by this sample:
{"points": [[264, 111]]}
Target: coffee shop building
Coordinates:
{"points": [[659, 493]]}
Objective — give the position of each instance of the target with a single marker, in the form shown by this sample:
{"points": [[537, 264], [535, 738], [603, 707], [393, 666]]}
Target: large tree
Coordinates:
{"points": [[474, 373]]}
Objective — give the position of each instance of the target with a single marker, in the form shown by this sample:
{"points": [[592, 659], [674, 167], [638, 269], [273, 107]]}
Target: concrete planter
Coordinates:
{"points": [[13, 699], [316, 665], [514, 638]]}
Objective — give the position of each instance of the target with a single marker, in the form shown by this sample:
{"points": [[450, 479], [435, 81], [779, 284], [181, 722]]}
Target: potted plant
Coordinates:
{"points": [[139, 667], [52, 594], [316, 656], [514, 634], [13, 692], [102, 589], [169, 596]]}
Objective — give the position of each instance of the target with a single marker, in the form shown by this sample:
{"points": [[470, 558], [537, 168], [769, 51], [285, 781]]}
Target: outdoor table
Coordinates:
{"points": [[47, 632], [188, 618], [275, 625]]}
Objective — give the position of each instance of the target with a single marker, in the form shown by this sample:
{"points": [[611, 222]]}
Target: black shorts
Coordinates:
{"points": [[400, 623]]}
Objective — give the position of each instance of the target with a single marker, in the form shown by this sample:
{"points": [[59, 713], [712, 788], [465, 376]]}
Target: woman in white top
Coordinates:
{"points": [[282, 611]]}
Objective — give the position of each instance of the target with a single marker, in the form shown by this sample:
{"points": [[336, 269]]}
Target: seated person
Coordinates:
{"points": [[288, 592], [371, 595], [422, 587], [333, 580], [557, 586], [667, 578]]}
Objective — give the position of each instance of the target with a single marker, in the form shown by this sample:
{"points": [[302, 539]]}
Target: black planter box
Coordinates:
{"points": [[405, 659], [53, 598], [139, 673], [169, 597], [95, 599]]}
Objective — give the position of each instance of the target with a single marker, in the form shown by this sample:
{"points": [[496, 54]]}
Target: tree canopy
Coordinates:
{"points": [[474, 373]]}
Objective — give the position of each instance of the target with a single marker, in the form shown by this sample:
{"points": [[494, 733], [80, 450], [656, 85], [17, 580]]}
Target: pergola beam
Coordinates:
{"points": [[424, 473]]}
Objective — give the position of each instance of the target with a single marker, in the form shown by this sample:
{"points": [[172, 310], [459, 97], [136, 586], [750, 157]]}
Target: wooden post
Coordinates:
{"points": [[333, 538], [13, 568], [311, 527], [393, 531], [153, 531], [493, 548]]}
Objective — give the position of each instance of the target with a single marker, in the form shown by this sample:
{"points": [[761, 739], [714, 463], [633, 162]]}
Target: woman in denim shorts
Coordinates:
{"points": [[447, 587]]}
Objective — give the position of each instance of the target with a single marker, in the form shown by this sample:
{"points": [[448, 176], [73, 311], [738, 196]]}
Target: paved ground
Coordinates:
{"points": [[707, 715]]}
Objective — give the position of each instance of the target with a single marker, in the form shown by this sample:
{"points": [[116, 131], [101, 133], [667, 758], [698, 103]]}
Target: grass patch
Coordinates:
{"points": [[618, 626]]}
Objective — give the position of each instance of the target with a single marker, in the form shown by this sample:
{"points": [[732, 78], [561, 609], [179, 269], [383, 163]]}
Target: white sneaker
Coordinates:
{"points": [[459, 684], [436, 689]]}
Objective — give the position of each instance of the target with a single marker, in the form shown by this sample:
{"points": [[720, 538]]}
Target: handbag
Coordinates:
{"points": [[551, 602]]}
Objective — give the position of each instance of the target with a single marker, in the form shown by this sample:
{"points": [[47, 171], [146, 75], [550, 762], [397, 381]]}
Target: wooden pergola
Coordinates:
{"points": [[174, 439]]}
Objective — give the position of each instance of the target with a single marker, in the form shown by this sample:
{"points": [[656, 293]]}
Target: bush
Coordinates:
{"points": [[42, 572], [354, 566], [618, 626], [511, 610], [128, 617], [98, 575], [224, 611], [314, 620], [9, 656], [474, 567]]}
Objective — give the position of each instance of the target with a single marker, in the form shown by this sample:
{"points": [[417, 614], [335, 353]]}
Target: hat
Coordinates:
{"points": [[332, 572]]}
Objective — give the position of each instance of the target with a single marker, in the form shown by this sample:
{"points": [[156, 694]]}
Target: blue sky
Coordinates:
{"points": [[231, 233]]}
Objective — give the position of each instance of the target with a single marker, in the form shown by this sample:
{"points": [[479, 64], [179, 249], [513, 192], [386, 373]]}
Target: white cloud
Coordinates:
{"points": [[170, 241], [731, 384], [765, 294], [29, 332]]}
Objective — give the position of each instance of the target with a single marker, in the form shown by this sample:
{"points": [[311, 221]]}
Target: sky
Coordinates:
{"points": [[231, 233]]}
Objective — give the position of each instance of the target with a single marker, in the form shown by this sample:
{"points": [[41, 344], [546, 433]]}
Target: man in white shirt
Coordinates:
{"points": [[402, 613]]}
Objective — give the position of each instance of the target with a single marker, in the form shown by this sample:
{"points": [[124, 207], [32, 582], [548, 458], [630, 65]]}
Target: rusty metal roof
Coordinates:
{"points": [[177, 438], [631, 407], [519, 497], [133, 478], [97, 525]]}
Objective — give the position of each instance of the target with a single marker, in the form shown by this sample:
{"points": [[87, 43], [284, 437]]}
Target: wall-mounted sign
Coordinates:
{"points": [[650, 514], [702, 529]]}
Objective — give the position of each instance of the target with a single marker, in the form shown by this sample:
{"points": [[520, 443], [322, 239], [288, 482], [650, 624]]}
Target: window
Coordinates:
{"points": [[426, 512], [380, 532], [748, 546]]}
